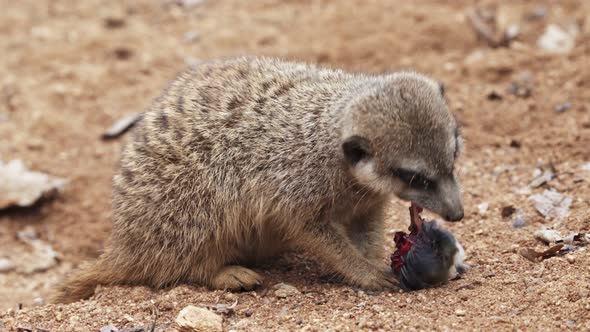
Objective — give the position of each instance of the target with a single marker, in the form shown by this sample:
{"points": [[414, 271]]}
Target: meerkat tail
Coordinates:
{"points": [[82, 283]]}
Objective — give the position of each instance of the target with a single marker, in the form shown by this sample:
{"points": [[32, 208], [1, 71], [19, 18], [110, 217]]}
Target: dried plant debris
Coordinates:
{"points": [[122, 125], [40, 258], [577, 238], [22, 187], [549, 236], [543, 176], [484, 23], [535, 256], [551, 204], [225, 309]]}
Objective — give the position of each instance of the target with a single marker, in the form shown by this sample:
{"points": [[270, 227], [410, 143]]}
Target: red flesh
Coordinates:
{"points": [[403, 241]]}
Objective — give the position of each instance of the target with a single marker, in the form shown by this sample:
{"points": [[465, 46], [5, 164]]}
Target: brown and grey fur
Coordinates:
{"points": [[241, 159]]}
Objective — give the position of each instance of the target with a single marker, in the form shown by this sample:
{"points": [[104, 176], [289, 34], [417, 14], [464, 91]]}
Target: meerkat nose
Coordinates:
{"points": [[455, 216]]}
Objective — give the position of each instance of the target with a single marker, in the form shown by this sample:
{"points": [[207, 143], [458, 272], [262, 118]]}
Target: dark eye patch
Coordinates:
{"points": [[413, 179]]}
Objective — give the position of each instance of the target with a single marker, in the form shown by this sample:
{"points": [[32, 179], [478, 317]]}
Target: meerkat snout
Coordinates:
{"points": [[414, 157]]}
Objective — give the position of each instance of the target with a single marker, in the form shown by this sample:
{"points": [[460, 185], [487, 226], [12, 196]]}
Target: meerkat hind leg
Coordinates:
{"points": [[236, 278]]}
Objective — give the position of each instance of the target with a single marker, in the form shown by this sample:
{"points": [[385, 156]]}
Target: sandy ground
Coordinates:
{"points": [[69, 69]]}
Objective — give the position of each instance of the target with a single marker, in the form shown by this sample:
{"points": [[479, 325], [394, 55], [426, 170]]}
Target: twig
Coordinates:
{"points": [[484, 31], [155, 312]]}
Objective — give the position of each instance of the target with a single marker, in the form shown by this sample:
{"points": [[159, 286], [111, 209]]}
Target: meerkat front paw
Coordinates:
{"points": [[378, 281], [236, 278]]}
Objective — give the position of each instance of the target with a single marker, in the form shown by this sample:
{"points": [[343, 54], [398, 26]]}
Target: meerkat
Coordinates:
{"points": [[241, 159]]}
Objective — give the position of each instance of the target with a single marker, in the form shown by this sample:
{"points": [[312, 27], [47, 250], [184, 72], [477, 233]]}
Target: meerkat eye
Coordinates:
{"points": [[355, 149], [413, 179]]}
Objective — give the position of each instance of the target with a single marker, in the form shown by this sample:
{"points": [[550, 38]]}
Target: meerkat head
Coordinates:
{"points": [[398, 137]]}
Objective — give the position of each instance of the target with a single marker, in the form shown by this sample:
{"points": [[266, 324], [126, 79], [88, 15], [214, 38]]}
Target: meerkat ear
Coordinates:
{"points": [[441, 87], [356, 148]]}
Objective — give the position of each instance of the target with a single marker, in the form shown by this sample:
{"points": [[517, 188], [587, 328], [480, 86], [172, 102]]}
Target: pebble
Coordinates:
{"points": [[460, 312], [109, 328], [196, 319], [570, 259], [38, 301], [6, 265], [561, 108], [241, 324], [551, 204], [547, 235], [230, 296], [22, 187], [557, 40], [27, 234], [483, 208], [519, 222], [283, 290]]}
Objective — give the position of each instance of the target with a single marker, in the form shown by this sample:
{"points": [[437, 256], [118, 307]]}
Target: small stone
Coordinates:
{"points": [[515, 144], [113, 22], [241, 324], [494, 95], [109, 328], [561, 108], [283, 313], [551, 204], [460, 312], [557, 40], [536, 13], [6, 265], [283, 290], [483, 208], [586, 167], [191, 36], [122, 53], [196, 319], [519, 222], [570, 259], [38, 301], [22, 187], [27, 234], [547, 235], [507, 211]]}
